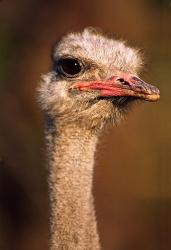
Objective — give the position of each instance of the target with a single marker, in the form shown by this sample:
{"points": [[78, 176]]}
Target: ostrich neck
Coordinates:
{"points": [[71, 157]]}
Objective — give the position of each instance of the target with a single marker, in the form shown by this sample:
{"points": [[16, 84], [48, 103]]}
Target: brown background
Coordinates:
{"points": [[133, 170]]}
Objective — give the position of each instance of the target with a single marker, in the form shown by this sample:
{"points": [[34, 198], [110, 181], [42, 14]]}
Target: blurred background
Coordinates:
{"points": [[132, 182]]}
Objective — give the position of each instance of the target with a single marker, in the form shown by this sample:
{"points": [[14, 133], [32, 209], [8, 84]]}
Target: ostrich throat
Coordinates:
{"points": [[71, 158]]}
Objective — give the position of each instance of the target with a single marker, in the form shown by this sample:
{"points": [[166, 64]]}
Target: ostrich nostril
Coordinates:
{"points": [[121, 80]]}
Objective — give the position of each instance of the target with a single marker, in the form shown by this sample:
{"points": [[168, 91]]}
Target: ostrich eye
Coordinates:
{"points": [[69, 67]]}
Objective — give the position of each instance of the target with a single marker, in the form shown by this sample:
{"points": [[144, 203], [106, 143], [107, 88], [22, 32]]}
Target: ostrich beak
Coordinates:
{"points": [[124, 84]]}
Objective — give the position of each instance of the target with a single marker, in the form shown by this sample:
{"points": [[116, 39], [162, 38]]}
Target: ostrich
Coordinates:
{"points": [[93, 83]]}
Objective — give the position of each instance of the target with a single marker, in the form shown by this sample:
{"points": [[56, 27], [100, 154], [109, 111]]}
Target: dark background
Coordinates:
{"points": [[133, 170]]}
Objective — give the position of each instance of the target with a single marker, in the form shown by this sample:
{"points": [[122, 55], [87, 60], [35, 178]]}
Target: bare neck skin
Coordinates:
{"points": [[71, 157]]}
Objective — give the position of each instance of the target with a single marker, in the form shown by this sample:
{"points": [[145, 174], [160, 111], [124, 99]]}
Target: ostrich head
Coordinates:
{"points": [[94, 80]]}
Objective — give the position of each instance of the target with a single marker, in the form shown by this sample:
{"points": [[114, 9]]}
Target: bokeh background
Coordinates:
{"points": [[132, 182]]}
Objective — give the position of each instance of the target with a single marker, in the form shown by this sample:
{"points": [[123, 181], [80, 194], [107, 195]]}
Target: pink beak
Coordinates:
{"points": [[124, 84]]}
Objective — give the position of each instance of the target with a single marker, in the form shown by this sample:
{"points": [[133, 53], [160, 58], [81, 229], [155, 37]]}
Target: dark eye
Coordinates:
{"points": [[69, 67]]}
